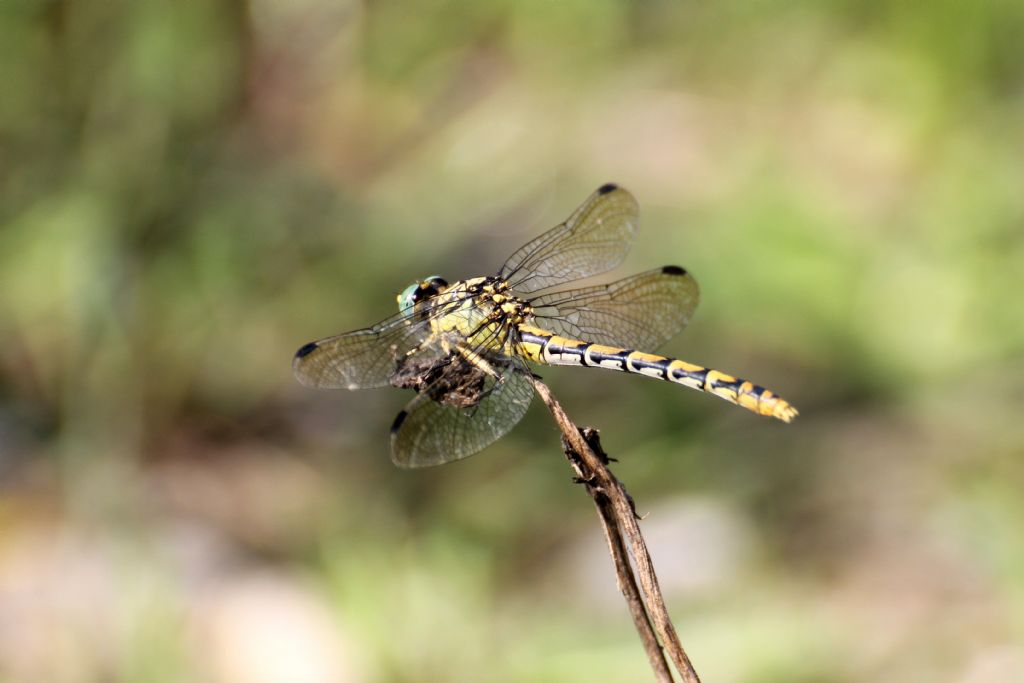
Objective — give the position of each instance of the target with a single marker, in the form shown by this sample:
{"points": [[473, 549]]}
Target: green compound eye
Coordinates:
{"points": [[420, 291], [407, 299]]}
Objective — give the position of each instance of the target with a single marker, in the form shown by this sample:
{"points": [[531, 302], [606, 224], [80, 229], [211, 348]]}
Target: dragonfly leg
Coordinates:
{"points": [[414, 350], [478, 361]]}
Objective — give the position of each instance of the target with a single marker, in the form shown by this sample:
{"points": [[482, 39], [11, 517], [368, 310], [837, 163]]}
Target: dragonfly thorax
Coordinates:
{"points": [[481, 311]]}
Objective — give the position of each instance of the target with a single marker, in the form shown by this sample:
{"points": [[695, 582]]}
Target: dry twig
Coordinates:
{"points": [[618, 517]]}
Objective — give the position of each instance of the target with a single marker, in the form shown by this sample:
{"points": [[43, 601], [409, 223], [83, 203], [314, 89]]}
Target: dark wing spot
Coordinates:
{"points": [[306, 350], [399, 419], [607, 187], [674, 270]]}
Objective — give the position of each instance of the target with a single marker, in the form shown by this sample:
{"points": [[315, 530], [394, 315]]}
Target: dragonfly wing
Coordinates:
{"points": [[594, 239], [639, 312], [362, 359], [433, 432]]}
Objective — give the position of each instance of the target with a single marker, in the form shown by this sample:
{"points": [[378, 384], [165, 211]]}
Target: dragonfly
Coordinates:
{"points": [[465, 347]]}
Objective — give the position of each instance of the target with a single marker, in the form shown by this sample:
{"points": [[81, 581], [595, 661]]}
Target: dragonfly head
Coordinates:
{"points": [[420, 291]]}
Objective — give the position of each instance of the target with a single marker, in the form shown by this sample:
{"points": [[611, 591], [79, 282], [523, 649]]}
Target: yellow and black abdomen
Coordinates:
{"points": [[541, 346]]}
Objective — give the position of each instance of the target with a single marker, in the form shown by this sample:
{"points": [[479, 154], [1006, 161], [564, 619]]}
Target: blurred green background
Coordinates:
{"points": [[191, 190]]}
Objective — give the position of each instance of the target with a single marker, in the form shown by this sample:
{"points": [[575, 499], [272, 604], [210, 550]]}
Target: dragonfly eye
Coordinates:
{"points": [[406, 300], [420, 291]]}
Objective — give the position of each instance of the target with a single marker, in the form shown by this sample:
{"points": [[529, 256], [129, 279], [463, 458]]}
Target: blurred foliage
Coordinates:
{"points": [[190, 190]]}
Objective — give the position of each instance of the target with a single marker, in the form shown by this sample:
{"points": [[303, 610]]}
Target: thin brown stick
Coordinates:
{"points": [[629, 589], [619, 520]]}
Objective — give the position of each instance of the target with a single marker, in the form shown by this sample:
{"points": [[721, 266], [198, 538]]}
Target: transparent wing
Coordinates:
{"points": [[361, 359], [367, 358], [431, 432], [594, 239], [639, 312]]}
